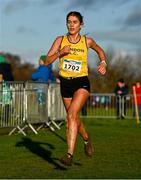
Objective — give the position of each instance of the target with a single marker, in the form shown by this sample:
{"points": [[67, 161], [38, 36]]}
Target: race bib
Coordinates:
{"points": [[73, 66]]}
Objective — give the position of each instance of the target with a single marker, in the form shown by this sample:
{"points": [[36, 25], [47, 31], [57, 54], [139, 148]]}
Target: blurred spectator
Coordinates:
{"points": [[5, 69], [105, 101], [5, 96], [138, 95], [5, 99], [43, 73], [121, 90]]}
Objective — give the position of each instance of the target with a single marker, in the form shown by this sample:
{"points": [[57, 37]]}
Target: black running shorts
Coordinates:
{"points": [[70, 85]]}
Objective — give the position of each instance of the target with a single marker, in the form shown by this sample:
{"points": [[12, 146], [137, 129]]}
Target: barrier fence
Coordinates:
{"points": [[24, 104], [109, 106]]}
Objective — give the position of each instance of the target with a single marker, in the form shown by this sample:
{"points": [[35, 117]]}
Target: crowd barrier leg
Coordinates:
{"points": [[49, 125], [19, 130], [46, 124], [55, 124], [31, 127]]}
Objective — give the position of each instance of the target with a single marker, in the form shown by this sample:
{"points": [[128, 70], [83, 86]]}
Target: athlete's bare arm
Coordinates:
{"points": [[55, 51], [53, 54], [102, 66], [92, 44]]}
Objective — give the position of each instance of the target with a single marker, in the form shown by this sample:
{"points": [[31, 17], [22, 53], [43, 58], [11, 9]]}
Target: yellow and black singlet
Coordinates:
{"points": [[74, 64]]}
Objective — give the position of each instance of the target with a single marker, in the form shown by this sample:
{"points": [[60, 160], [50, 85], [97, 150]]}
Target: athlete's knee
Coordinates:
{"points": [[71, 115]]}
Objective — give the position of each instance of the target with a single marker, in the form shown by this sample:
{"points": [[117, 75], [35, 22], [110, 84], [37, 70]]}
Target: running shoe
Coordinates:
{"points": [[88, 148], [66, 159]]}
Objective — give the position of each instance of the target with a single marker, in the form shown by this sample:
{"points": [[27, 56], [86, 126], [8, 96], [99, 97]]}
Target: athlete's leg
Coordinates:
{"points": [[81, 129], [73, 107]]}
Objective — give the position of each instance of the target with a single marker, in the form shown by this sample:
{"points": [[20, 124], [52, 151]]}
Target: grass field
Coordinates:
{"points": [[117, 153]]}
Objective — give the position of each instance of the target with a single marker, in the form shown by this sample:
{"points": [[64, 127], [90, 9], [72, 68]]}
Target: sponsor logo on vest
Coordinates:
{"points": [[75, 51]]}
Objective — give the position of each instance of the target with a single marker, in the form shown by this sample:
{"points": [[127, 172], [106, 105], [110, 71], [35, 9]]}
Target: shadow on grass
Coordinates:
{"points": [[60, 137], [64, 140], [35, 148]]}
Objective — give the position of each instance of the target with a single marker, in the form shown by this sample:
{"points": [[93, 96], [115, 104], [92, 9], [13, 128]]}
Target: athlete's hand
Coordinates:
{"points": [[65, 50], [101, 69]]}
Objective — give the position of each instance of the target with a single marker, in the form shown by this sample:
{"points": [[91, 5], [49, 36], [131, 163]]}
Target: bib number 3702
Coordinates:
{"points": [[74, 66]]}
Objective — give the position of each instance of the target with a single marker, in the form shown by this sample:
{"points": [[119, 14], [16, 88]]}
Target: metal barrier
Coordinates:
{"points": [[108, 106], [35, 104], [56, 110], [43, 110], [24, 104], [11, 105]]}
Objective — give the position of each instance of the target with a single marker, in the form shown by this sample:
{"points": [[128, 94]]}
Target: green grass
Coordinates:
{"points": [[117, 153]]}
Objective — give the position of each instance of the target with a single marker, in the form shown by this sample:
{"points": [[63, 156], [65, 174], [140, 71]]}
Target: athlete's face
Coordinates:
{"points": [[73, 25]]}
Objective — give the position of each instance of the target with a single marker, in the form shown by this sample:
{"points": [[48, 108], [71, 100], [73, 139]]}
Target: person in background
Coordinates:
{"points": [[5, 69], [6, 94], [121, 90], [43, 73], [138, 95], [72, 51], [5, 100]]}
